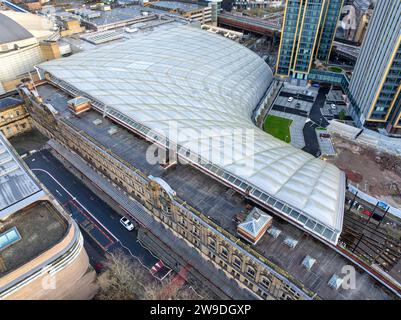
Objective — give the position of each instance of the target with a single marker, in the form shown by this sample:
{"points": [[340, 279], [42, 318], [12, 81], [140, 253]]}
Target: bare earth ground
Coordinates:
{"points": [[377, 174]]}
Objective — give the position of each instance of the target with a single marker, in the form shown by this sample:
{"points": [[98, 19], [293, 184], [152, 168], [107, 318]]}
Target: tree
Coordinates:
{"points": [[342, 115], [124, 279]]}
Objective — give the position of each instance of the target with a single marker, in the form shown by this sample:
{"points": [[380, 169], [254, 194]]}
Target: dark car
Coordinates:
{"points": [[324, 135]]}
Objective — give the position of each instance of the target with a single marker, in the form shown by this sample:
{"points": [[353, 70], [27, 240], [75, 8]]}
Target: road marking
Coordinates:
{"points": [[118, 240], [75, 199]]}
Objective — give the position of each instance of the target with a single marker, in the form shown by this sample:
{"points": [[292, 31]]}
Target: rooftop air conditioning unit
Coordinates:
{"points": [[274, 232], [97, 122], [112, 131]]}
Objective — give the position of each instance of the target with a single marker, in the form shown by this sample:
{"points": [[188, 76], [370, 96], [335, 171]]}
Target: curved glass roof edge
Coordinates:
{"points": [[196, 159]]}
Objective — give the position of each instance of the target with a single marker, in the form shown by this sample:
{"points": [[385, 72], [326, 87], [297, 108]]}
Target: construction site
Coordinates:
{"points": [[374, 172]]}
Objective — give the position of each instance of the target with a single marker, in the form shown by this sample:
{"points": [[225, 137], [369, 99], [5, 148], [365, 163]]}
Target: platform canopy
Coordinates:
{"points": [[193, 86]]}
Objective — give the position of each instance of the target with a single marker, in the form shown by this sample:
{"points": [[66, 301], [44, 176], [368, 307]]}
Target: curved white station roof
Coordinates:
{"points": [[195, 80]]}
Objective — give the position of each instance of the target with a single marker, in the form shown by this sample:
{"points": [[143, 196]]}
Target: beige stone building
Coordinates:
{"points": [[14, 119]]}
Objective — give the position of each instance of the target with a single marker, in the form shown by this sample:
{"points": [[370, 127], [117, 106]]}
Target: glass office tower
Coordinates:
{"points": [[376, 80], [308, 32]]}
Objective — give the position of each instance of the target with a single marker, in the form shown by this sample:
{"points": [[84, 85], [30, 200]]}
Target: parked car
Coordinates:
{"points": [[127, 223], [290, 99], [366, 213], [324, 135], [99, 266], [333, 106]]}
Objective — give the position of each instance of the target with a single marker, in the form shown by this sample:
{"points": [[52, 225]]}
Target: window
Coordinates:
{"points": [[265, 282], [250, 272], [195, 230], [9, 237], [237, 262], [224, 253], [212, 255], [263, 294], [212, 244]]}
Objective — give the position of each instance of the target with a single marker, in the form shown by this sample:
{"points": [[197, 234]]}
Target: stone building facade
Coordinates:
{"points": [[14, 119]]}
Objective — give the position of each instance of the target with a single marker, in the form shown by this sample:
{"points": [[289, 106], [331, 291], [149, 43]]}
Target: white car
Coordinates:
{"points": [[131, 30], [290, 99], [127, 223], [333, 106]]}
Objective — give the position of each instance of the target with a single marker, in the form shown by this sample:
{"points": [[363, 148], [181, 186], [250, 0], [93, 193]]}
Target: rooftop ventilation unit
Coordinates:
{"points": [[291, 242], [335, 282], [254, 226], [274, 232], [102, 36], [308, 262], [96, 122], [79, 105], [112, 131]]}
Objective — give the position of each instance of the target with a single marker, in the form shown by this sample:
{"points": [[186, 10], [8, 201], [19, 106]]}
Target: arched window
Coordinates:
{"points": [[224, 252], [250, 271], [265, 282], [237, 262], [212, 244]]}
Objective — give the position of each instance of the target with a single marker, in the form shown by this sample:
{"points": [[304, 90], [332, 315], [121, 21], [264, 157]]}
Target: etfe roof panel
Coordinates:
{"points": [[208, 87]]}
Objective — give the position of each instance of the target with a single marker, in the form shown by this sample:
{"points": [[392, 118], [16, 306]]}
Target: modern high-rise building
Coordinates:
{"points": [[308, 32], [376, 82]]}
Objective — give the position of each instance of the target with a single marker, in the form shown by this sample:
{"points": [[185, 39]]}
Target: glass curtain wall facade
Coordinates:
{"points": [[328, 30], [376, 81], [308, 33]]}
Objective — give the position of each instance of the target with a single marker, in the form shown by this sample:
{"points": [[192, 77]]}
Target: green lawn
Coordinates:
{"points": [[335, 69], [278, 127]]}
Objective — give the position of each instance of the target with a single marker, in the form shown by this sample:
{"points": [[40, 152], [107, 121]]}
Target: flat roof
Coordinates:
{"points": [[40, 227], [220, 204], [117, 15], [17, 187], [154, 81], [9, 100], [174, 5]]}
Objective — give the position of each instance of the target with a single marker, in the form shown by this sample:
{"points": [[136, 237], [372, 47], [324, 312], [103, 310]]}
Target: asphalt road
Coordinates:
{"points": [[315, 113], [93, 215], [317, 120]]}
